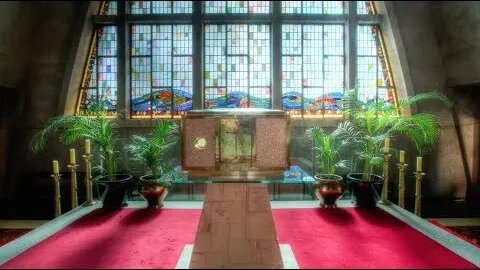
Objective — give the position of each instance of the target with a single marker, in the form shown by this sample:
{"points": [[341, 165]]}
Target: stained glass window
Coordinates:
{"points": [[237, 40], [111, 8], [159, 7], [100, 80], [161, 70], [237, 66], [364, 7], [313, 68], [237, 6], [373, 75], [313, 7]]}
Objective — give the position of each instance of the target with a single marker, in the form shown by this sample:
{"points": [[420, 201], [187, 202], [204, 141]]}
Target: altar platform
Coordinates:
{"points": [[309, 237]]}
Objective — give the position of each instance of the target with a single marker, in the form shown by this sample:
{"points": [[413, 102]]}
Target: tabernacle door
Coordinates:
{"points": [[271, 143], [199, 143]]}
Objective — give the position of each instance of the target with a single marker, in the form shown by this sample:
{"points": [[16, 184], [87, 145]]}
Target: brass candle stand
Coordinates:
{"points": [[88, 179], [402, 166], [73, 170], [418, 192], [386, 165], [56, 182]]}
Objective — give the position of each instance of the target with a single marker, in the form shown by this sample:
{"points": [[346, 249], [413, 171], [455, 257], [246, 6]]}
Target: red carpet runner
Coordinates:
{"points": [[359, 238], [129, 238]]}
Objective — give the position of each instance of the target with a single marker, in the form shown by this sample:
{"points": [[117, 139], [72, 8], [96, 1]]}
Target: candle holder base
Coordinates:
{"points": [[89, 203], [384, 202]]}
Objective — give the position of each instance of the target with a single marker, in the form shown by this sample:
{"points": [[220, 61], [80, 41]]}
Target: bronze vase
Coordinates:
{"points": [[153, 192], [329, 189]]}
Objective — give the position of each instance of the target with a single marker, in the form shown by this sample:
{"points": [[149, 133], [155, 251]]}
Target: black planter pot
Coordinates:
{"points": [[115, 195], [365, 192]]}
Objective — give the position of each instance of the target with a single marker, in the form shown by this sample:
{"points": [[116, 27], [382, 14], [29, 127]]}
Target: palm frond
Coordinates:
{"points": [[404, 103], [151, 150]]}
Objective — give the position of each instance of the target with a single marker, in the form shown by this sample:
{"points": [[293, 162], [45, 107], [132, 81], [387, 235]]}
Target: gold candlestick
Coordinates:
{"points": [[418, 192], [88, 179], [386, 165], [56, 183], [402, 166], [73, 170]]}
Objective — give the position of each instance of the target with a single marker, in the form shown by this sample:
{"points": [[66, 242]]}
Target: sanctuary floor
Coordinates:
{"points": [[347, 237]]}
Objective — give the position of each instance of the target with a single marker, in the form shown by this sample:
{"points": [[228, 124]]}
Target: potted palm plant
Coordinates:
{"points": [[378, 121], [329, 148], [152, 151], [97, 126]]}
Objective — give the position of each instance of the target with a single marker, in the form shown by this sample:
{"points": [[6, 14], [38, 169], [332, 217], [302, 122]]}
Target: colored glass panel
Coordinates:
{"points": [[373, 81], [364, 7], [237, 66], [159, 7], [313, 68], [161, 70], [313, 7], [112, 8], [236, 7], [100, 82]]}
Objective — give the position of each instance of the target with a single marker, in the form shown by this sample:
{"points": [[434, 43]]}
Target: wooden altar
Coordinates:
{"points": [[231, 141]]}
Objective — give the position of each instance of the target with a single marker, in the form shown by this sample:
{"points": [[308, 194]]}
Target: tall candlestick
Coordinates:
{"points": [[55, 167], [72, 156], [419, 164], [387, 145], [87, 147], [402, 156]]}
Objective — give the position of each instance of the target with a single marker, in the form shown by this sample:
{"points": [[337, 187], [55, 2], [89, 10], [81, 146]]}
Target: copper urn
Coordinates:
{"points": [[329, 189]]}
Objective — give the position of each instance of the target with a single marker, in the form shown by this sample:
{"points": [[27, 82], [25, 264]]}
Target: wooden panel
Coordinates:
{"points": [[193, 157], [271, 135]]}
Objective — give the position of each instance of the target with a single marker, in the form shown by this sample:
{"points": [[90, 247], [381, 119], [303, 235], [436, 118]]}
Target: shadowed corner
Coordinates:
{"points": [[95, 218], [337, 216], [140, 216], [378, 217]]}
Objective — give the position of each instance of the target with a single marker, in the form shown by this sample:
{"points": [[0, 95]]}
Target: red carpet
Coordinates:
{"points": [[359, 238], [463, 237], [128, 238], [8, 235]]}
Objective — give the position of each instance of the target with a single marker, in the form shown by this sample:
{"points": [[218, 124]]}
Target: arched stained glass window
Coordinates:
{"points": [[157, 59], [100, 82], [374, 77]]}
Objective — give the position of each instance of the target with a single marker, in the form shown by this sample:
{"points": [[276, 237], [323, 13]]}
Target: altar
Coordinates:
{"points": [[240, 142]]}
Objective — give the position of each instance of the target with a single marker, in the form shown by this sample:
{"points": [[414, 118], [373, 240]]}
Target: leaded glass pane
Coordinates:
{"points": [[100, 83], [236, 7], [364, 7], [112, 8], [313, 7], [159, 7], [161, 70], [313, 68], [372, 73], [140, 7], [237, 66], [182, 7]]}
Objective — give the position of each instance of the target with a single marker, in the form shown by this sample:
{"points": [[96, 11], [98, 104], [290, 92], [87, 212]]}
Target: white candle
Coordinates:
{"points": [[419, 164], [55, 167], [402, 156], [87, 147], [72, 156], [387, 145]]}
